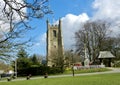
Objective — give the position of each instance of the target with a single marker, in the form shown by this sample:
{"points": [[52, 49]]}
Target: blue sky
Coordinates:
{"points": [[72, 14], [64, 7], [60, 9]]}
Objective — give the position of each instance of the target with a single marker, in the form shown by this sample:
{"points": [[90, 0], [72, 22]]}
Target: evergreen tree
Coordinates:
{"points": [[34, 60], [22, 53], [23, 61]]}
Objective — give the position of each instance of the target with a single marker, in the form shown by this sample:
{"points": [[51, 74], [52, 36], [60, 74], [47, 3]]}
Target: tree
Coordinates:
{"points": [[23, 61], [57, 59], [24, 9], [15, 16], [17, 12], [91, 37], [5, 67], [68, 58], [22, 53], [113, 44], [35, 60], [71, 58]]}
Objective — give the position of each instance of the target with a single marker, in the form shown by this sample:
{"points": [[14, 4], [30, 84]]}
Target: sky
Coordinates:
{"points": [[73, 14], [69, 11]]}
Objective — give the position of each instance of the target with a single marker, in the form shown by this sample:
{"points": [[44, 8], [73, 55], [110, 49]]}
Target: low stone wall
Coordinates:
{"points": [[88, 67]]}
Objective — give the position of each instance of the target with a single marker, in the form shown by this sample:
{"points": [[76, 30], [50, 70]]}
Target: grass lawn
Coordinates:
{"points": [[87, 70], [104, 79]]}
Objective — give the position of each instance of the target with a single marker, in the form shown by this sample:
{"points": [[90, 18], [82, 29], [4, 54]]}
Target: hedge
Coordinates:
{"points": [[40, 70]]}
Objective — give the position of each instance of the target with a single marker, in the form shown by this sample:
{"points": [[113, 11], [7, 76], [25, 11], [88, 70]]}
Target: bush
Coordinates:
{"points": [[54, 70], [39, 70], [117, 64]]}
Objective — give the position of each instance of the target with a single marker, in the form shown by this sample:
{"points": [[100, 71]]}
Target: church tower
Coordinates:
{"points": [[54, 43]]}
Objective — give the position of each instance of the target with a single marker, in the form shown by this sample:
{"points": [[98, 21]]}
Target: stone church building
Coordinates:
{"points": [[54, 43]]}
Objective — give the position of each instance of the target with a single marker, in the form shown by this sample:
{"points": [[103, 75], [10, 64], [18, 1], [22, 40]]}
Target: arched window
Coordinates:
{"points": [[54, 33]]}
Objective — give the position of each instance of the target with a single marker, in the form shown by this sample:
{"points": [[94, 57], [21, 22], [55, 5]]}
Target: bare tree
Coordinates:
{"points": [[56, 59], [14, 22], [18, 12], [5, 67], [116, 47], [68, 58], [113, 44], [91, 36], [71, 58]]}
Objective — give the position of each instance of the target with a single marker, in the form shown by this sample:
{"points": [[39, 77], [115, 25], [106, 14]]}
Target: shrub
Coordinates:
{"points": [[39, 70], [117, 64]]}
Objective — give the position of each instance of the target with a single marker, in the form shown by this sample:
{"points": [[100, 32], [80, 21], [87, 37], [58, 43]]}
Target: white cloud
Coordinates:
{"points": [[70, 24], [108, 10], [4, 21], [104, 10], [41, 40]]}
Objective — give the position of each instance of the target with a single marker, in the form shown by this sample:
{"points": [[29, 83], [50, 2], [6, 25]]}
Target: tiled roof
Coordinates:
{"points": [[106, 54]]}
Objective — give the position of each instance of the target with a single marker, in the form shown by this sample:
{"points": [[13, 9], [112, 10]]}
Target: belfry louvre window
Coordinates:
{"points": [[54, 33]]}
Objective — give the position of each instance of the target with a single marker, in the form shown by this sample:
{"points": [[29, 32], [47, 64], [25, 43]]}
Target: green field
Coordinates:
{"points": [[86, 70], [104, 79]]}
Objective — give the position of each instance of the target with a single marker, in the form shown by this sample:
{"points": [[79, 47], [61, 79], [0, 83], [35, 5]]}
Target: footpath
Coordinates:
{"points": [[113, 70]]}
